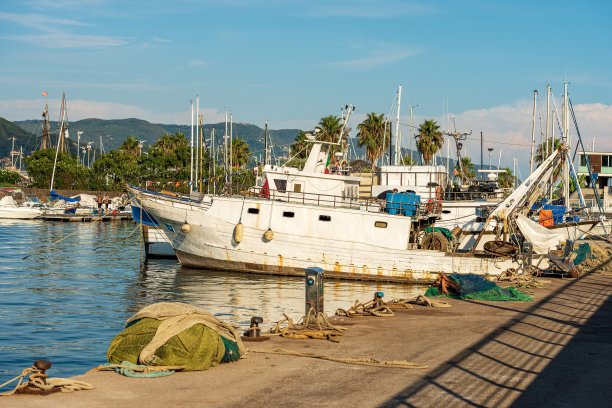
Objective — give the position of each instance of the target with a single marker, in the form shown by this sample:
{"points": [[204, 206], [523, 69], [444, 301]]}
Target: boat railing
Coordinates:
{"points": [[431, 208], [472, 195]]}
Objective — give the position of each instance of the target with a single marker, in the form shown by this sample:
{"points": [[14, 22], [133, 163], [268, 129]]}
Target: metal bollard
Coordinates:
{"points": [[378, 299], [314, 290], [527, 255]]}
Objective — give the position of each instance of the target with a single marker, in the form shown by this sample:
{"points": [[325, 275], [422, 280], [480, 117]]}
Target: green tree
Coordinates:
{"points": [[169, 159], [374, 134], [301, 147], [131, 145], [40, 169], [329, 128], [240, 153], [429, 139], [541, 149], [407, 161], [506, 179], [469, 170], [116, 168], [9, 177]]}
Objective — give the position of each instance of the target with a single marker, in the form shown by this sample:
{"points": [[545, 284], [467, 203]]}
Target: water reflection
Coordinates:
{"points": [[237, 297], [67, 302]]}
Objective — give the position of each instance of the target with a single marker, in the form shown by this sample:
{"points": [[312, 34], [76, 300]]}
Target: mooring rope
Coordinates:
{"points": [[358, 361]]}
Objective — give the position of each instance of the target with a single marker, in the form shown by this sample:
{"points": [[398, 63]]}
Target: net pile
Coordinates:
{"points": [[598, 259], [474, 287]]}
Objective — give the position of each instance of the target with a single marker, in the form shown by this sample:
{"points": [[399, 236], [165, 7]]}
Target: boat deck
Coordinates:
{"points": [[86, 217]]}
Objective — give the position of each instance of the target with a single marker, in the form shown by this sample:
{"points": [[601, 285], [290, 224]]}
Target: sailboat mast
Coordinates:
{"points": [[201, 150], [535, 102], [547, 116], [266, 144], [214, 159], [191, 165], [566, 141], [197, 133], [231, 148], [397, 127], [225, 147]]}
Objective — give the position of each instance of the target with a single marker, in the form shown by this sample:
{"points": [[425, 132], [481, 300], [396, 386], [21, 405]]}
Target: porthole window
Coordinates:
{"points": [[380, 224], [253, 210], [324, 218], [288, 214]]}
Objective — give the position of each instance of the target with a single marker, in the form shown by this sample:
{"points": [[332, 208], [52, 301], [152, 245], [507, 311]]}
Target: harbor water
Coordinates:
{"points": [[67, 302]]}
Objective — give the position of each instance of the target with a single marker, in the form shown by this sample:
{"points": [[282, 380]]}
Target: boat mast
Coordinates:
{"points": [[547, 115], [535, 101], [566, 141], [197, 149], [214, 159], [397, 127], [225, 148], [191, 165], [46, 127], [266, 144], [59, 142], [201, 150], [231, 164]]}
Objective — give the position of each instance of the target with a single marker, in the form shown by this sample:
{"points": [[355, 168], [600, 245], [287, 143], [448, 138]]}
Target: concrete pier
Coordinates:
{"points": [[555, 351]]}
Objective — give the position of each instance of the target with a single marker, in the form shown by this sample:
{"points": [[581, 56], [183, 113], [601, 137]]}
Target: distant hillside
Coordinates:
{"points": [[8, 130], [115, 131]]}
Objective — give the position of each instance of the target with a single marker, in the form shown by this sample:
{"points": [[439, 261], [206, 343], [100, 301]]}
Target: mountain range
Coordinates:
{"points": [[109, 134]]}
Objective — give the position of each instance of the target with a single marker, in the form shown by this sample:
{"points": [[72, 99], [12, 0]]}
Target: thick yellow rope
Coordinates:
{"points": [[370, 362]]}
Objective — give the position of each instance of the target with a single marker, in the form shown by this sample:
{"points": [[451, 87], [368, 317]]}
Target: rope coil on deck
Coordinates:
{"points": [[311, 326], [39, 380]]}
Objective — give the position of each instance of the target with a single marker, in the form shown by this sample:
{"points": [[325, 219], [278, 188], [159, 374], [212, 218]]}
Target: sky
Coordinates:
{"points": [[294, 62]]}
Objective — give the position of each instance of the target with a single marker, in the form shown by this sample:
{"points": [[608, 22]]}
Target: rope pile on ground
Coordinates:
{"points": [[358, 361], [40, 381], [522, 280], [375, 307], [419, 300], [311, 326], [599, 259]]}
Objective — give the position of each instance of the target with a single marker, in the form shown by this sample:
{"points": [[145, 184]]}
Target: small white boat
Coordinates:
{"points": [[9, 209]]}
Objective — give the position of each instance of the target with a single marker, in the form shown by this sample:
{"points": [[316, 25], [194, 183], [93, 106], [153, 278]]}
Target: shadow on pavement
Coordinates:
{"points": [[556, 353]]}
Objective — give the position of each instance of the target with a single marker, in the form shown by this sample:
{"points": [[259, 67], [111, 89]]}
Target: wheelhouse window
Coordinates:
{"points": [[281, 185]]}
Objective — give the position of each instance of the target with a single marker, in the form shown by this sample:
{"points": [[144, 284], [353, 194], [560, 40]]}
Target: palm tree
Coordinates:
{"points": [[130, 145], [374, 134], [301, 148], [506, 179], [429, 139], [329, 128], [468, 169], [240, 153], [553, 144]]}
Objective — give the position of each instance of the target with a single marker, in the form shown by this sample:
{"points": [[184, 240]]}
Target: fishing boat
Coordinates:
{"points": [[313, 217]]}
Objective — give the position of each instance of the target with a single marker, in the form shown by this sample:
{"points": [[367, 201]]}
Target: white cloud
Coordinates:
{"points": [[67, 40], [197, 63], [162, 40], [373, 60], [38, 21], [78, 109]]}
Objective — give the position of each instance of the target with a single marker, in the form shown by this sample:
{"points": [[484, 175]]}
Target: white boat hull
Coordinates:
{"points": [[347, 246], [19, 213]]}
